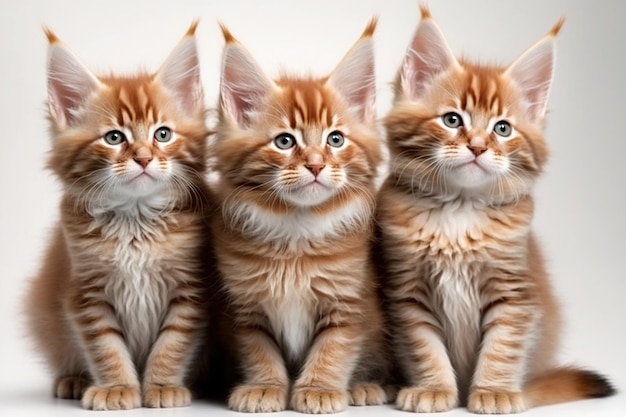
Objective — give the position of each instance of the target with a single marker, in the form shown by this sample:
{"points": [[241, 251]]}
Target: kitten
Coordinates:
{"points": [[120, 298], [474, 318], [297, 160]]}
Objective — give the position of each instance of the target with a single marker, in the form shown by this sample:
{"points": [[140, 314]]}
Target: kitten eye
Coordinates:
{"points": [[452, 120], [335, 139], [503, 128], [163, 134], [114, 137], [284, 141]]}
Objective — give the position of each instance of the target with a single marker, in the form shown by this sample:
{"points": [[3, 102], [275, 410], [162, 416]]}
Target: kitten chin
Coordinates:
{"points": [[309, 195]]}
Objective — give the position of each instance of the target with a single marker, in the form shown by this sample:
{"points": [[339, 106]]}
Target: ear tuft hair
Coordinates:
{"points": [[427, 56], [533, 72], [70, 84], [244, 85], [355, 79], [180, 73]]}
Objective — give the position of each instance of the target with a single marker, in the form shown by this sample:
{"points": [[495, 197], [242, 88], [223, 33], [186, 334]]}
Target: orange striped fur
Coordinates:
{"points": [[294, 234], [473, 315], [119, 303]]}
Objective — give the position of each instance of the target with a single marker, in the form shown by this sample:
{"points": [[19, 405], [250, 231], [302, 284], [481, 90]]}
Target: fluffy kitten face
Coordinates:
{"points": [[123, 139], [459, 128], [304, 151], [297, 142]]}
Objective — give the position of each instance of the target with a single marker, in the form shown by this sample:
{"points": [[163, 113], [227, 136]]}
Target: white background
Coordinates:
{"points": [[580, 199]]}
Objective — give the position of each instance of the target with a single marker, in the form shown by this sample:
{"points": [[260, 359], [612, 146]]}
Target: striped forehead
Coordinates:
{"points": [[483, 92], [133, 102], [308, 104]]}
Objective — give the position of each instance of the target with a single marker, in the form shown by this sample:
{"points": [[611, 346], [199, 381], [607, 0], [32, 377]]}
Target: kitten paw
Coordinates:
{"points": [[367, 394], [70, 387], [312, 400], [159, 396], [423, 400], [120, 397], [258, 398], [490, 402]]}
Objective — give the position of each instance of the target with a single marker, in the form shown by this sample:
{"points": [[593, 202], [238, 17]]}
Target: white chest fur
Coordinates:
{"points": [[454, 236], [299, 225], [456, 226], [285, 280], [292, 321], [458, 307], [136, 286]]}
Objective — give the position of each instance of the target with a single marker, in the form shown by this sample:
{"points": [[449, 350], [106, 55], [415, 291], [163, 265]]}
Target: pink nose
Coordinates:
{"points": [[315, 168], [143, 156], [143, 161], [477, 150]]}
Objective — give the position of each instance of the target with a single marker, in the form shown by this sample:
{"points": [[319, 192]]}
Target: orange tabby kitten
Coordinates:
{"points": [[118, 304], [474, 318], [297, 160]]}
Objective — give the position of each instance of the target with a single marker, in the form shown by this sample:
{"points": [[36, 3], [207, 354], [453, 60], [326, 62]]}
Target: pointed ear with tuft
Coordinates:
{"points": [[180, 73], [355, 79], [427, 56], [244, 85], [533, 72], [70, 84]]}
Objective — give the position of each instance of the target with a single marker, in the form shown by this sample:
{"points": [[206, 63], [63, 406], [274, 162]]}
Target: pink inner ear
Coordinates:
{"points": [[63, 102], [428, 55], [355, 79], [244, 85], [181, 75], [533, 72], [69, 85], [238, 101]]}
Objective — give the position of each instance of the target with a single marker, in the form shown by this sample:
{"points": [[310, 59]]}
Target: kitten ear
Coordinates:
{"points": [[180, 73], [69, 83], [354, 78], [533, 72], [243, 83], [427, 56]]}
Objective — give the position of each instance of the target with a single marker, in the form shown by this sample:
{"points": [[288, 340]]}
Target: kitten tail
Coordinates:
{"points": [[566, 384]]}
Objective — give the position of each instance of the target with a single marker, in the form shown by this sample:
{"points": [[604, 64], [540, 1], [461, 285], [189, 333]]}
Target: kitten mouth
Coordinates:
{"points": [[143, 174], [314, 185], [143, 177], [474, 162]]}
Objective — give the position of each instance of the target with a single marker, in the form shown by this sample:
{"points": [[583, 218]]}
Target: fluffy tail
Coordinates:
{"points": [[566, 384]]}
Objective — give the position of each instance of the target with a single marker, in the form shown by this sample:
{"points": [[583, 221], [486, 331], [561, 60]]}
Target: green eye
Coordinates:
{"points": [[452, 120], [503, 128], [284, 141], [335, 139], [114, 137], [163, 134]]}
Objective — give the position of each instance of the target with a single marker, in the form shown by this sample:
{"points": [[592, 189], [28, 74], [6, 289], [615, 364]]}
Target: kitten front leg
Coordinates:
{"points": [[70, 387], [72, 376], [364, 393], [498, 379], [166, 367], [424, 358], [266, 385], [323, 381], [115, 382]]}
